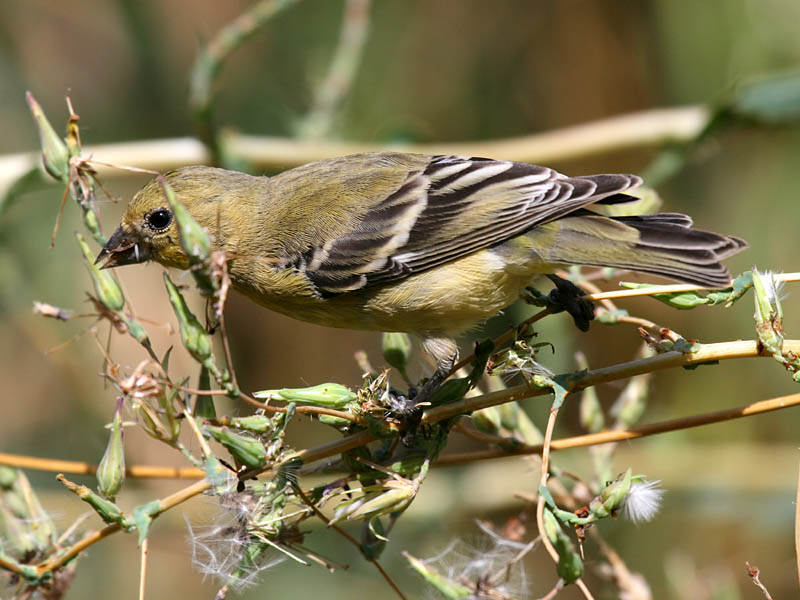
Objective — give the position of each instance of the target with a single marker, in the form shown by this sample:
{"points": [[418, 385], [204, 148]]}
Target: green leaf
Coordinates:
{"points": [[774, 100], [143, 517]]}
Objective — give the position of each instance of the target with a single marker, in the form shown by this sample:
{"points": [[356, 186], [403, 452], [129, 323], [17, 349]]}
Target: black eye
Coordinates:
{"points": [[159, 219]]}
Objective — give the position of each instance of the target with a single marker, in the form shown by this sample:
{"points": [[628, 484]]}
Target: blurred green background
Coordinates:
{"points": [[432, 72]]}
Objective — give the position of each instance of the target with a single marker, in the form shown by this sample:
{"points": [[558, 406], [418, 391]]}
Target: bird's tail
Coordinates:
{"points": [[663, 244]]}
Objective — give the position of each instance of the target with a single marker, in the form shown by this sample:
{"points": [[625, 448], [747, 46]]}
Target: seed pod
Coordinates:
{"points": [[327, 395], [55, 154], [611, 497], [397, 350], [247, 451], [193, 335], [194, 239], [111, 470], [105, 284]]}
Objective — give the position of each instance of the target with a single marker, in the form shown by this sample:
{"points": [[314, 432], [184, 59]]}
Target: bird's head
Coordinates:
{"points": [[148, 230]]}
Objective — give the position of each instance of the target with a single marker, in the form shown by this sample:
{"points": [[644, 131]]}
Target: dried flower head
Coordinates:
{"points": [[643, 501], [489, 566], [140, 384]]}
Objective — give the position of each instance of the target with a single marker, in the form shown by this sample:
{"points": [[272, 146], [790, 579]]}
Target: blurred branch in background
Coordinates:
{"points": [[211, 60], [331, 91], [641, 129], [771, 101]]}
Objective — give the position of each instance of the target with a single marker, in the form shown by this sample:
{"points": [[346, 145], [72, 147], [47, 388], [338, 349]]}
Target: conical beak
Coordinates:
{"points": [[122, 249]]}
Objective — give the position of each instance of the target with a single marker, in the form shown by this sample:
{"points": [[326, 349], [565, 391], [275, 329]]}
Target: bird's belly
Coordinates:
{"points": [[449, 299]]}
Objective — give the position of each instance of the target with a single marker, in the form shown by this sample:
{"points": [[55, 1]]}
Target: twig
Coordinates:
{"points": [[543, 476], [307, 455], [204, 447], [707, 353], [329, 95], [618, 435], [583, 588], [753, 572], [633, 130], [554, 592], [82, 468], [545, 472], [670, 359], [671, 289], [143, 572]]}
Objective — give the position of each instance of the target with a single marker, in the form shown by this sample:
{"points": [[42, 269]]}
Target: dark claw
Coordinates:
{"points": [[408, 412], [567, 297]]}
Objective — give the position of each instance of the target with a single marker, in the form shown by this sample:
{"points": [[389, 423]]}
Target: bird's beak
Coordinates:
{"points": [[122, 248]]}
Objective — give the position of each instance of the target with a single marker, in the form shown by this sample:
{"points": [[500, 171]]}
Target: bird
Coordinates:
{"points": [[431, 245]]}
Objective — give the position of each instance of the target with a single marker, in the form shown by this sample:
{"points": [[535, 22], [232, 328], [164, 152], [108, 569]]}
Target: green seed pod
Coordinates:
{"points": [[55, 154], [394, 499], [336, 422], [111, 470], [451, 390], [682, 300], [591, 413], [105, 284], [397, 350], [570, 566], [194, 239], [247, 451], [193, 335], [255, 423], [769, 312], [15, 534], [8, 476], [611, 497], [345, 509], [516, 420], [327, 395], [107, 510], [446, 587], [136, 331]]}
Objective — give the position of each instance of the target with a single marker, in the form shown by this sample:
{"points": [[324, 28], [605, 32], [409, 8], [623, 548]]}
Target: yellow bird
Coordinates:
{"points": [[431, 245]]}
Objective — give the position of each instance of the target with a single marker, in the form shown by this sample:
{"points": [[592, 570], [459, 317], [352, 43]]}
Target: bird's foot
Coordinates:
{"points": [[566, 296], [408, 409]]}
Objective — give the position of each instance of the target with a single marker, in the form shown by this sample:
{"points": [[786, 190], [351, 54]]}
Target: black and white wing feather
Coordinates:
{"points": [[446, 209]]}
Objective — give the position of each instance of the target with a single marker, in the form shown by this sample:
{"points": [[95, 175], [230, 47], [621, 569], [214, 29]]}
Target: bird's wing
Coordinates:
{"points": [[449, 208]]}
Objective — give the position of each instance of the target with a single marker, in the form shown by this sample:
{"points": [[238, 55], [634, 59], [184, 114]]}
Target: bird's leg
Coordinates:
{"points": [[566, 296]]}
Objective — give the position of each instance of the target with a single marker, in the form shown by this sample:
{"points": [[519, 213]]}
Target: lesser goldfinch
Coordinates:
{"points": [[431, 245]]}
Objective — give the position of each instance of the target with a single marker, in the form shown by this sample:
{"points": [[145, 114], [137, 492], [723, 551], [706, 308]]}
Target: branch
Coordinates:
{"points": [[618, 435], [707, 353], [670, 289], [82, 468]]}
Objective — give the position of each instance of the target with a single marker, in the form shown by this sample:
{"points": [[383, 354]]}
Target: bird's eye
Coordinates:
{"points": [[159, 219]]}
